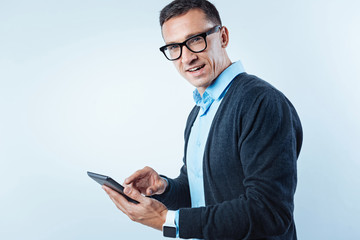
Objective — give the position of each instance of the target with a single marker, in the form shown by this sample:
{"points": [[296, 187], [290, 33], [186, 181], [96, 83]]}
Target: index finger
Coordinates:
{"points": [[134, 176]]}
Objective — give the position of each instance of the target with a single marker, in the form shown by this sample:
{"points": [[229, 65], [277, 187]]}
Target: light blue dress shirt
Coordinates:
{"points": [[209, 104]]}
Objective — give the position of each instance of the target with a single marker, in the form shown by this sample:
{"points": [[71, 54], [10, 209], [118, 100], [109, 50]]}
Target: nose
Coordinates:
{"points": [[187, 56]]}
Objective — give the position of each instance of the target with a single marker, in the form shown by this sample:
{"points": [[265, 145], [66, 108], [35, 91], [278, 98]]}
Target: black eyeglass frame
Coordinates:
{"points": [[212, 30]]}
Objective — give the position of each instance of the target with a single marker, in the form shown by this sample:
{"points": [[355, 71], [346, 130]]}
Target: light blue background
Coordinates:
{"points": [[83, 87]]}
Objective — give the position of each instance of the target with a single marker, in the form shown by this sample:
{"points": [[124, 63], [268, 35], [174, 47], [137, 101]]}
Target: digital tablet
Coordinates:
{"points": [[109, 182]]}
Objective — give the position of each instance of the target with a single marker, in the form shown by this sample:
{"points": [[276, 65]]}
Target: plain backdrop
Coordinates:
{"points": [[84, 87]]}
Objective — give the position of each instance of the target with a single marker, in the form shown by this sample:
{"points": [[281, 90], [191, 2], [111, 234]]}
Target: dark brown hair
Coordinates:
{"points": [[179, 7]]}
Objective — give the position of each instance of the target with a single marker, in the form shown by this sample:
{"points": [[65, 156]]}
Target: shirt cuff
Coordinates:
{"points": [[177, 223], [174, 215], [165, 180]]}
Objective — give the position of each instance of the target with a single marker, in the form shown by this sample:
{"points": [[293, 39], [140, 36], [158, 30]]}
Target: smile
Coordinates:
{"points": [[196, 68]]}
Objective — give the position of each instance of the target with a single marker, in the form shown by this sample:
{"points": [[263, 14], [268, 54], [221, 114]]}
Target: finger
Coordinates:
{"points": [[127, 188], [150, 191], [117, 198], [136, 175], [112, 194], [134, 194], [119, 206], [158, 188], [106, 189]]}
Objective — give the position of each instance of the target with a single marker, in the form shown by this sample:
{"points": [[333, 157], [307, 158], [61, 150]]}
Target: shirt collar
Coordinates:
{"points": [[217, 89]]}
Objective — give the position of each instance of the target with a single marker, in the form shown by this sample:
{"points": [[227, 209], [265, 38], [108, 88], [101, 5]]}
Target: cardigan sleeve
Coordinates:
{"points": [[268, 147], [177, 194]]}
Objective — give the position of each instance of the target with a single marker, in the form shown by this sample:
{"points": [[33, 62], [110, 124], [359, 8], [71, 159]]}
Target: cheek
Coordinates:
{"points": [[210, 54], [177, 65], [215, 49], [214, 56], [180, 69]]}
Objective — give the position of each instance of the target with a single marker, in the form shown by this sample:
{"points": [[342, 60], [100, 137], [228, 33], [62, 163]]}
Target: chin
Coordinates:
{"points": [[200, 83]]}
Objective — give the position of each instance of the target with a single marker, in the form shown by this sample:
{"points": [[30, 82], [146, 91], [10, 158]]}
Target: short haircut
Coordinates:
{"points": [[179, 7]]}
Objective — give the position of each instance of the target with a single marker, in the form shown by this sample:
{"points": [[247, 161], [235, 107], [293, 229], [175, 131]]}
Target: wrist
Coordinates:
{"points": [[163, 217], [159, 222]]}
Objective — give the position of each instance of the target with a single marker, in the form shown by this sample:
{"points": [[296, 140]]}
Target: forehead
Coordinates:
{"points": [[179, 28]]}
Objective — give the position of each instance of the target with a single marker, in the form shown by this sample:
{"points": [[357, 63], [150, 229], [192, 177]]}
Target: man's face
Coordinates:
{"points": [[200, 69]]}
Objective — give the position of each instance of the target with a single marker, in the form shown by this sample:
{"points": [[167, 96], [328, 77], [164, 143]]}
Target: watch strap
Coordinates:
{"points": [[169, 227]]}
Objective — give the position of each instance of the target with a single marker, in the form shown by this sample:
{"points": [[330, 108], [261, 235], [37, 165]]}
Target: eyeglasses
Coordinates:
{"points": [[195, 44]]}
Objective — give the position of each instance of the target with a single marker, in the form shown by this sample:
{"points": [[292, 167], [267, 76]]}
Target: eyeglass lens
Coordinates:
{"points": [[195, 44]]}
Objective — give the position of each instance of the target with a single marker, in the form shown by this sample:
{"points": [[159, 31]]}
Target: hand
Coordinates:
{"points": [[148, 211], [147, 181]]}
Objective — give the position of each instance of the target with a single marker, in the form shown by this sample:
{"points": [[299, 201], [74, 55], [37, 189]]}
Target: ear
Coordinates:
{"points": [[224, 34]]}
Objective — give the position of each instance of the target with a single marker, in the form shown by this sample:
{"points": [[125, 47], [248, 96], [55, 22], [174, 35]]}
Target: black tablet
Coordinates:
{"points": [[109, 182]]}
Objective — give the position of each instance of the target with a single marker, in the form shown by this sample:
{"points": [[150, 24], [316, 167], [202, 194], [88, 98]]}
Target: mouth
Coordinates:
{"points": [[195, 69]]}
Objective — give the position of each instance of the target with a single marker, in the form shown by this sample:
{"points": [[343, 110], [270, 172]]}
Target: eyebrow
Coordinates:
{"points": [[192, 34], [186, 37]]}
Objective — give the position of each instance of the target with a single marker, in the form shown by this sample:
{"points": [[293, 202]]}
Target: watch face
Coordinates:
{"points": [[169, 231]]}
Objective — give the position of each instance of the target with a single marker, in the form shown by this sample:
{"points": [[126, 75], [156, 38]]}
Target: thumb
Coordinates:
{"points": [[133, 193], [150, 191], [157, 188]]}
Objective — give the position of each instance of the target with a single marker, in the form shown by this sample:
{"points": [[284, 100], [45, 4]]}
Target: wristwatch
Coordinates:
{"points": [[169, 227]]}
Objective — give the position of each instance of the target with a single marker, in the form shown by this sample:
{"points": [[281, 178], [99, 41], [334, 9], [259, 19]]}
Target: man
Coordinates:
{"points": [[242, 140]]}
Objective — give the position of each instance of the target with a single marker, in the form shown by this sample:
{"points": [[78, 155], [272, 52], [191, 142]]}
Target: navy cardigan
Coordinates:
{"points": [[249, 167]]}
